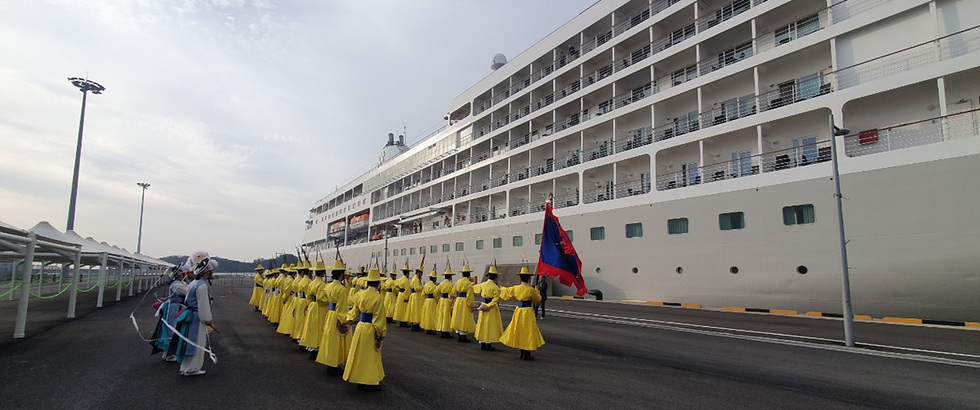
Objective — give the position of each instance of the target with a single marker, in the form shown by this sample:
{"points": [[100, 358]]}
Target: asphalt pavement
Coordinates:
{"points": [[598, 355]]}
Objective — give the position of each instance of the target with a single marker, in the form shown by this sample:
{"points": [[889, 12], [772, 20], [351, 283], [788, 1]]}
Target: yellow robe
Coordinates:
{"points": [[287, 317], [415, 301], [315, 315], [489, 325], [275, 302], [462, 313], [354, 287], [258, 292], [522, 332], [302, 303], [333, 345], [364, 359], [264, 304], [444, 317], [389, 290], [401, 300], [430, 306]]}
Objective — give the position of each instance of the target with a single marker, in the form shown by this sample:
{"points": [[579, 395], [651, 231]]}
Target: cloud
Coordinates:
{"points": [[241, 114]]}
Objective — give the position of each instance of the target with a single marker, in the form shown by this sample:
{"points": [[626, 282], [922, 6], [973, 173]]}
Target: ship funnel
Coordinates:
{"points": [[401, 140], [391, 139]]}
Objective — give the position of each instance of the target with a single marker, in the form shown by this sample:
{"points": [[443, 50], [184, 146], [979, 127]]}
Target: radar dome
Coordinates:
{"points": [[498, 61]]}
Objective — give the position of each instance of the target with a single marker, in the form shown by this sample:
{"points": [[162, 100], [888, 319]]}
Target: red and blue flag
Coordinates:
{"points": [[557, 256]]}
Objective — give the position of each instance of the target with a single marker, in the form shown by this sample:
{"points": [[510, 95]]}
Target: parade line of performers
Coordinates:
{"points": [[318, 312]]}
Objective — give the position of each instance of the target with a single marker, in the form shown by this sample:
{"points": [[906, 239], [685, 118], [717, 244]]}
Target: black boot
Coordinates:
{"points": [[402, 324], [483, 346], [389, 320], [459, 338], [416, 328], [446, 335], [466, 339], [526, 355], [313, 354], [490, 347]]}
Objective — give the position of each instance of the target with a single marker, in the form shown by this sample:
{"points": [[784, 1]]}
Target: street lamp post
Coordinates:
{"points": [[84, 85], [846, 281], [139, 241]]}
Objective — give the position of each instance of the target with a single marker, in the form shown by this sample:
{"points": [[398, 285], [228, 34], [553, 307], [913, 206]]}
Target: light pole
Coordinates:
{"points": [[848, 315], [139, 241], [84, 85]]}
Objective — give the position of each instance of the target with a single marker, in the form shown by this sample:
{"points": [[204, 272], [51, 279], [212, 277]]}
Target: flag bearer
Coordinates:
{"points": [[522, 332]]}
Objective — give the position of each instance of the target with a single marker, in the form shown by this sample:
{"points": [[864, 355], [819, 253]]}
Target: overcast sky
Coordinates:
{"points": [[240, 114]]}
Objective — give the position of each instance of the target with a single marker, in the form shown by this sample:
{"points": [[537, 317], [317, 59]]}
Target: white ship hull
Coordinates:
{"points": [[635, 167]]}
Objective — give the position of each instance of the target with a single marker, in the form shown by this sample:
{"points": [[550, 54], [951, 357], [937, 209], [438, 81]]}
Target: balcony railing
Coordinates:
{"points": [[913, 134], [634, 139], [768, 162]]}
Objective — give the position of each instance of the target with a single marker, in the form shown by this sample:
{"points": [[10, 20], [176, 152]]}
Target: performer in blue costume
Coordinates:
{"points": [[197, 320], [167, 312]]}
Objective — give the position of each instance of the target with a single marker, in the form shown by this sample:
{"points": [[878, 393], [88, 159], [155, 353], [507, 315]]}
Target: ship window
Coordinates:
{"points": [[403, 251], [518, 241], [411, 251], [634, 230], [459, 246], [677, 226], [731, 220], [498, 243], [445, 247], [537, 239], [598, 233], [798, 215], [479, 244], [421, 250], [433, 249]]}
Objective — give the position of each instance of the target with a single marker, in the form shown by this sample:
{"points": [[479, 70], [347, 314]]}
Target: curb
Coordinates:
{"points": [[902, 320]]}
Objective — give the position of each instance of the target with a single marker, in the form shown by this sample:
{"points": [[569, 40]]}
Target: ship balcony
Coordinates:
{"points": [[772, 161], [600, 150], [573, 158], [634, 139], [929, 131], [729, 110], [794, 91], [621, 189]]}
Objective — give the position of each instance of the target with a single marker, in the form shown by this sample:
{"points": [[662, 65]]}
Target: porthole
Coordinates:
{"points": [[679, 270], [635, 270], [733, 269], [598, 270], [802, 270]]}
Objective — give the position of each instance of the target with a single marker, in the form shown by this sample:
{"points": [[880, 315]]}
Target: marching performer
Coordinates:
{"points": [[463, 323], [522, 332], [197, 318], [258, 292], [401, 299], [389, 289], [302, 300], [488, 325], [364, 366], [430, 304], [317, 312], [415, 300], [333, 342], [444, 317]]}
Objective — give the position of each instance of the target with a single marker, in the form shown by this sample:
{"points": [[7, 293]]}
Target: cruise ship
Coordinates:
{"points": [[687, 145]]}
